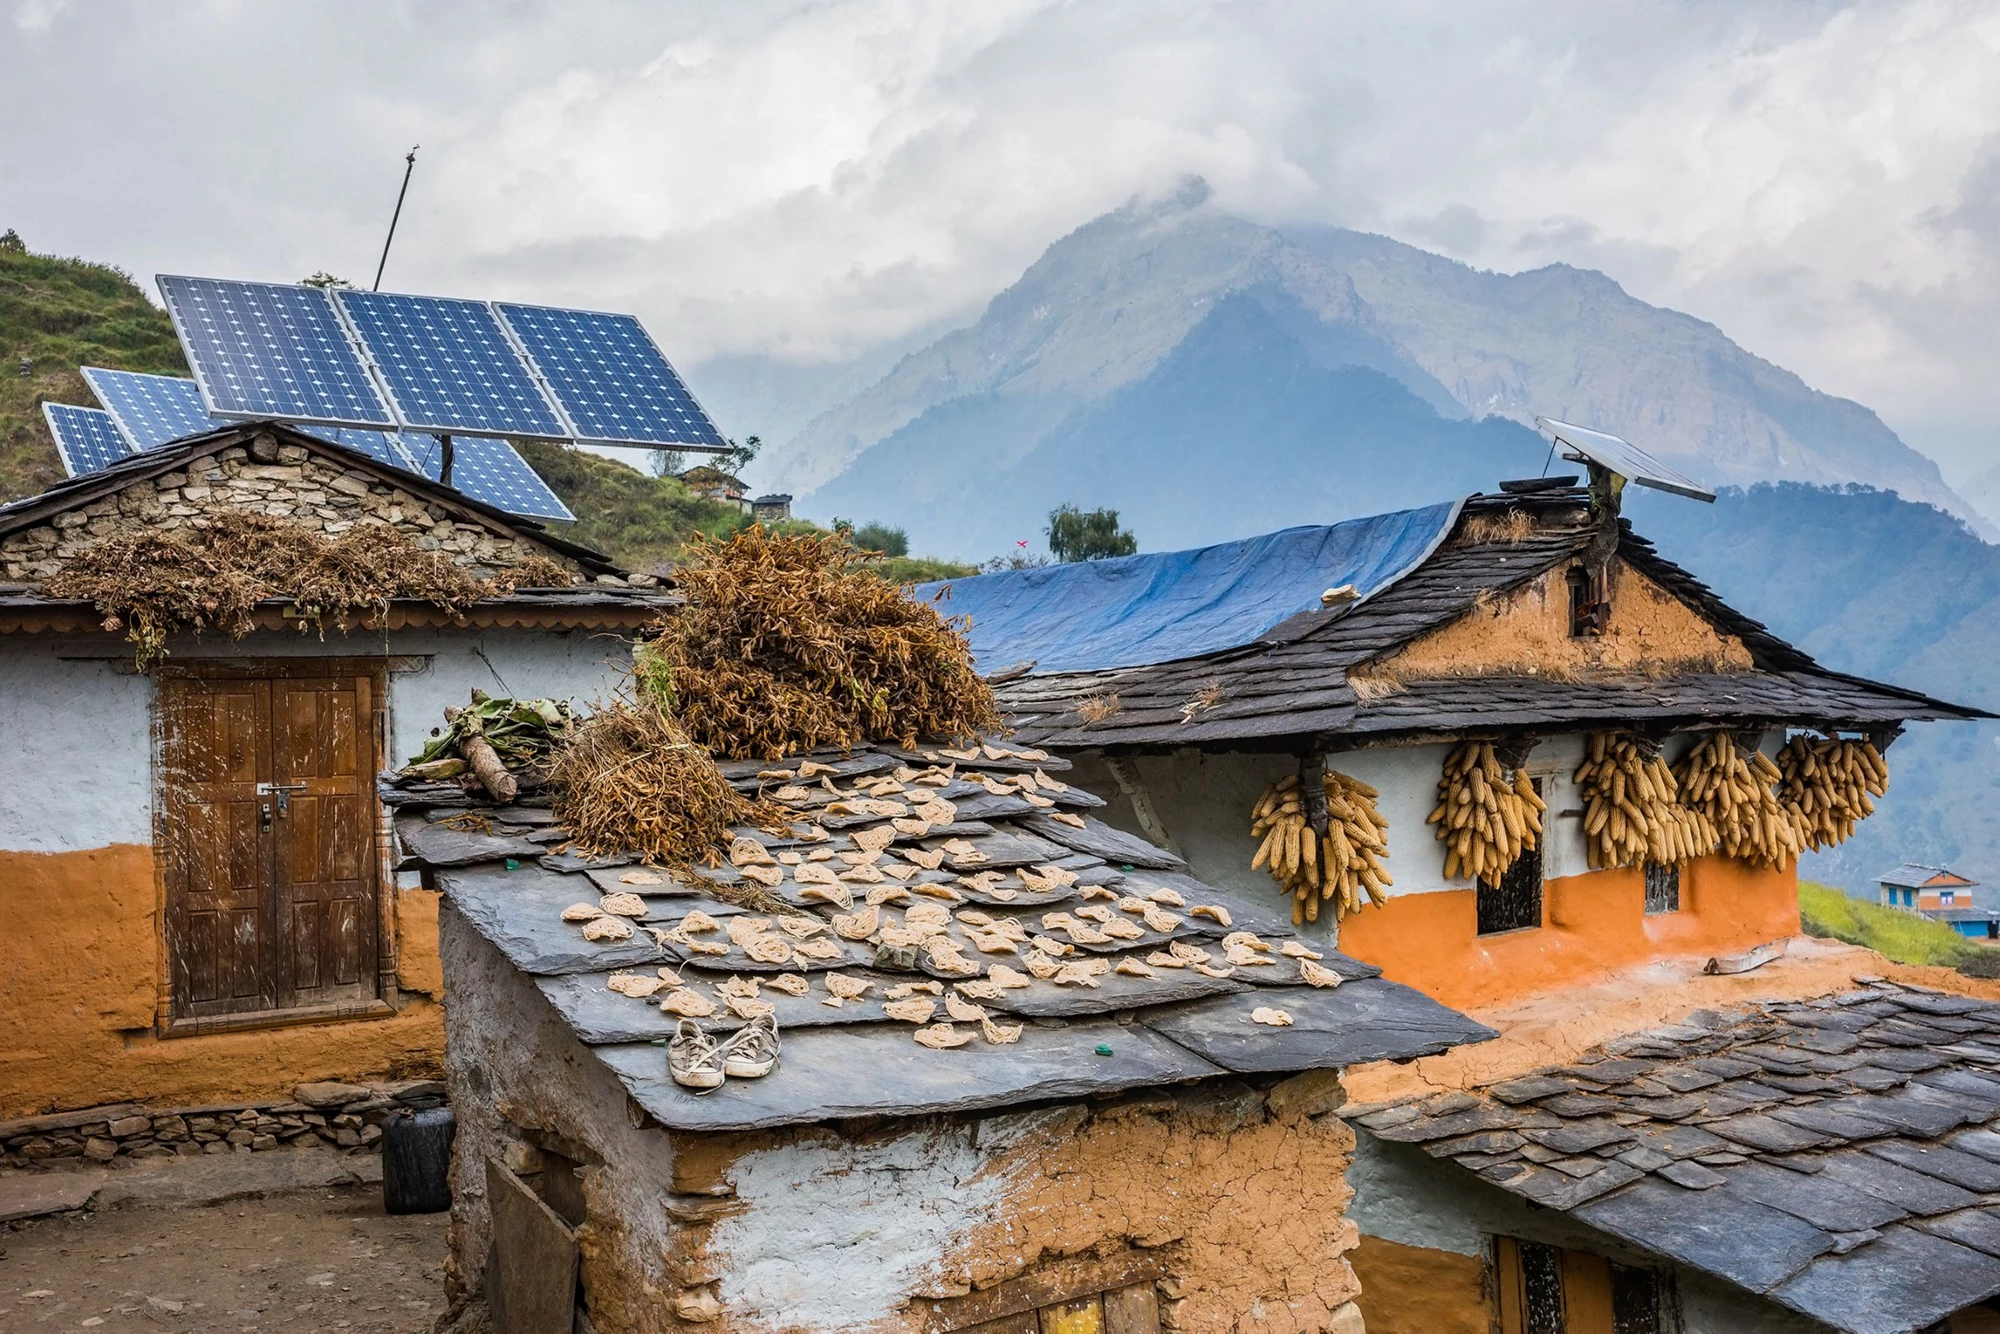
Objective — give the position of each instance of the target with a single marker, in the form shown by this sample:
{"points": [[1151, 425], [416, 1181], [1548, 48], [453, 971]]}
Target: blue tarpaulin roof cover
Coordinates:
{"points": [[1134, 611]]}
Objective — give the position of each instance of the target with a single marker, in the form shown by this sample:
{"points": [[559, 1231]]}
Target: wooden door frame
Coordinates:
{"points": [[381, 874]]}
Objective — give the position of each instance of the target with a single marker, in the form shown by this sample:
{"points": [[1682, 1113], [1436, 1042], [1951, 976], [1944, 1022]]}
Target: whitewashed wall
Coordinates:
{"points": [[76, 722], [1201, 806]]}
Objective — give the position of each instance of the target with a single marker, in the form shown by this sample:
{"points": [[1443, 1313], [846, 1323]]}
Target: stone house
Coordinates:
{"points": [[1536, 621], [1123, 1143], [202, 897]]}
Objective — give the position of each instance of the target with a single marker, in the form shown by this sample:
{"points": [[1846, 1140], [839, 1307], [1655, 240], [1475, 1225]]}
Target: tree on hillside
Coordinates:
{"points": [[881, 537], [674, 462], [1076, 534]]}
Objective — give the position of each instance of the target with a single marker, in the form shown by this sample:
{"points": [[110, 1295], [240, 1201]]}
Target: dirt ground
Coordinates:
{"points": [[312, 1260]]}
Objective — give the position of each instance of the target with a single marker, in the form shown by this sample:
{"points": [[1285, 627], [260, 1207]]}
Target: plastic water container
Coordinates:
{"points": [[416, 1161]]}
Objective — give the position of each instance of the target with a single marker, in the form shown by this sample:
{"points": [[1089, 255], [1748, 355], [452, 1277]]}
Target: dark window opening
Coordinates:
{"points": [[1663, 888], [1642, 1301], [1514, 902], [1589, 602]]}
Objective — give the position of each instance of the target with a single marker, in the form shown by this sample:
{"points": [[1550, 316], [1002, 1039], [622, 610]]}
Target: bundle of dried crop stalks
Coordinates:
{"points": [[1631, 809], [630, 782], [1831, 783], [1341, 865], [785, 645], [152, 582], [1731, 784], [1485, 819]]}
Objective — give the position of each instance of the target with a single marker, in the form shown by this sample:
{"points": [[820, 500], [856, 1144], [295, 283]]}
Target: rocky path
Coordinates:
{"points": [[310, 1260]]}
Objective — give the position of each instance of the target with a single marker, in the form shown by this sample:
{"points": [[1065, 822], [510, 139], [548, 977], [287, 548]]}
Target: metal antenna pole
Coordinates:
{"points": [[409, 165]]}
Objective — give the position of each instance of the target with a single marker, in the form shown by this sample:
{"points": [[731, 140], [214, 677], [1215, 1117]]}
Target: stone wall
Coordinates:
{"points": [[319, 1115], [302, 485], [1230, 1198]]}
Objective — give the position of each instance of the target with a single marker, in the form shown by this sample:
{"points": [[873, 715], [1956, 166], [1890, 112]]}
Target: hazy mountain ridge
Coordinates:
{"points": [[1105, 306]]}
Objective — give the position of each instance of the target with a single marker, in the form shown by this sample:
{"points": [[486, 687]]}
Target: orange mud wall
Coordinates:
{"points": [[83, 976], [1418, 1290], [1592, 925]]}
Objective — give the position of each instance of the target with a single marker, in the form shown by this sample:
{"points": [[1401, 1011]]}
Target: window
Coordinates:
{"points": [[1947, 897], [1549, 1290], [1589, 601], [1515, 902], [1663, 889], [1133, 1309]]}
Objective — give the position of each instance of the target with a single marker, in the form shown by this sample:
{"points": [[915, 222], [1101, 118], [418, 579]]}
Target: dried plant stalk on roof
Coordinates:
{"points": [[785, 646], [629, 782], [153, 582]]}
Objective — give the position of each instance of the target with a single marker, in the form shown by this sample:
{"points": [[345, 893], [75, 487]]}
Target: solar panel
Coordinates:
{"points": [[271, 350], [151, 409], [1623, 458], [447, 366], [610, 378], [86, 438], [489, 470]]}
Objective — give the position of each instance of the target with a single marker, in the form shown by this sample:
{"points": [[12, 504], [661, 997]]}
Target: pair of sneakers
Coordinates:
{"points": [[697, 1061]]}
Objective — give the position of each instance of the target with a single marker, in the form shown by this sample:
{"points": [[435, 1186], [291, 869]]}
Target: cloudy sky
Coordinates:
{"points": [[811, 180]]}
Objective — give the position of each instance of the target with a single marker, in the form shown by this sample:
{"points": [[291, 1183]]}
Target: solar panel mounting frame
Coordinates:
{"points": [[548, 386]]}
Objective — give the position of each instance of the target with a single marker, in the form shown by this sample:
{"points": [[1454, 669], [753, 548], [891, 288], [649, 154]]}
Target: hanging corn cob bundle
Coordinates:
{"points": [[1343, 865], [1631, 815], [1732, 786], [1831, 784], [1484, 819]]}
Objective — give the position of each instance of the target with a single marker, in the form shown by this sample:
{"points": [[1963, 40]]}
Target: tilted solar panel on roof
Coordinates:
{"points": [[1624, 458], [610, 377], [492, 471], [150, 409], [271, 350], [448, 366], [86, 438]]}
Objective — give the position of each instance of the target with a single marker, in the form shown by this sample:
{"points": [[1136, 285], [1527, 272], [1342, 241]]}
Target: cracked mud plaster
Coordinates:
{"points": [[839, 1233]]}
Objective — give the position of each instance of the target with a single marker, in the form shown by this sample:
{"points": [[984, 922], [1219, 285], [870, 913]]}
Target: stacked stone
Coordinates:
{"points": [[300, 486], [321, 1115]]}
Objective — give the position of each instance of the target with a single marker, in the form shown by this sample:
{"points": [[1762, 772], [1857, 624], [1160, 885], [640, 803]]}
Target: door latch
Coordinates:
{"points": [[283, 792]]}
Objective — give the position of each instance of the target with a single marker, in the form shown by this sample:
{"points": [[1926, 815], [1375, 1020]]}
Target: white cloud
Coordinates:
{"points": [[808, 179]]}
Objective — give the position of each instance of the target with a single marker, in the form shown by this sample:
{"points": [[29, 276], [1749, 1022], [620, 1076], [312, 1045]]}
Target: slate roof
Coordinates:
{"points": [[1291, 685], [510, 882], [1916, 875], [1840, 1156]]}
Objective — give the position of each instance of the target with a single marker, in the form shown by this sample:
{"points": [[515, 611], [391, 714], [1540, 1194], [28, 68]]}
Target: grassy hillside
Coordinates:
{"points": [[62, 314], [644, 521], [1902, 936]]}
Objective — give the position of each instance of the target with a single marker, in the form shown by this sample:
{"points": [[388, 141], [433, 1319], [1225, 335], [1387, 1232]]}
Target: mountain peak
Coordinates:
{"points": [[1106, 305]]}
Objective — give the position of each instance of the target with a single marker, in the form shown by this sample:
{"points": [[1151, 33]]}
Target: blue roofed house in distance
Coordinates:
{"points": [[1941, 894]]}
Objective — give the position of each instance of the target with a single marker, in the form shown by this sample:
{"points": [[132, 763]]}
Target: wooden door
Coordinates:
{"points": [[326, 904], [218, 846], [269, 850]]}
